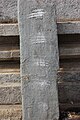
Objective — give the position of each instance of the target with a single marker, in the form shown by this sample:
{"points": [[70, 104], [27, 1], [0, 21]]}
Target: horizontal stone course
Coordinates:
{"points": [[10, 112], [63, 28], [68, 27], [8, 10], [69, 92], [9, 54], [9, 77], [10, 93], [8, 29], [65, 9], [69, 50]]}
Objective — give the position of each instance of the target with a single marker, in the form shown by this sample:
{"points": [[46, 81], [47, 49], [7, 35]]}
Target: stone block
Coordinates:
{"points": [[10, 112], [10, 93]]}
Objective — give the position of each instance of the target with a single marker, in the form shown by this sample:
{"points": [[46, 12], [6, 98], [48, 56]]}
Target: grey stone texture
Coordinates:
{"points": [[68, 9], [71, 88], [8, 78], [8, 10], [62, 28], [69, 76], [68, 82], [65, 9], [8, 29], [72, 27], [39, 59], [10, 93]]}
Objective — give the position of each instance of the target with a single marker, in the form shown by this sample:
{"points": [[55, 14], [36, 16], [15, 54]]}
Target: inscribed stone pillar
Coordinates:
{"points": [[39, 59]]}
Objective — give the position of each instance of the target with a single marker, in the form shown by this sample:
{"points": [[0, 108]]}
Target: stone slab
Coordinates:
{"points": [[39, 59], [11, 94]]}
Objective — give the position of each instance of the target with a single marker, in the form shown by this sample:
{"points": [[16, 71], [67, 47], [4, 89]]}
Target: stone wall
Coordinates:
{"points": [[69, 46], [65, 9]]}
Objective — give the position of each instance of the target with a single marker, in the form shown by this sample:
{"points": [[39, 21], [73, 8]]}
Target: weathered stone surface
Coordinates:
{"points": [[63, 28], [39, 59], [10, 93], [71, 27], [8, 29], [69, 76], [10, 112], [68, 94], [6, 77], [8, 10], [65, 9], [68, 9]]}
